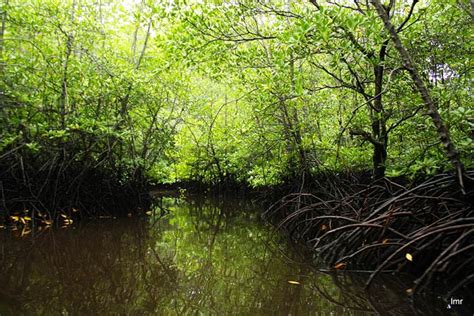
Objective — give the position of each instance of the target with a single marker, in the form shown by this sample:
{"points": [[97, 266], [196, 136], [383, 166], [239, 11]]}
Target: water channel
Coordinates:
{"points": [[189, 256]]}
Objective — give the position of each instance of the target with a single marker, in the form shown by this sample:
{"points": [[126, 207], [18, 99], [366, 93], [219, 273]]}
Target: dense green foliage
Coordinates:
{"points": [[256, 92]]}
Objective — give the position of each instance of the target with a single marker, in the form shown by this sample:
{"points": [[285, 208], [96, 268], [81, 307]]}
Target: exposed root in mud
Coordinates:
{"points": [[425, 229]]}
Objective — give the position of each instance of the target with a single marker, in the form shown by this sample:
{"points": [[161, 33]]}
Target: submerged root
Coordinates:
{"points": [[427, 229]]}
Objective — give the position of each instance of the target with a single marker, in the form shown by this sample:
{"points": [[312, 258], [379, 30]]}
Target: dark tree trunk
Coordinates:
{"points": [[379, 129], [431, 105], [379, 158]]}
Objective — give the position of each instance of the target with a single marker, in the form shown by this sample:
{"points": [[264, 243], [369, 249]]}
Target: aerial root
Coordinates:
{"points": [[426, 229]]}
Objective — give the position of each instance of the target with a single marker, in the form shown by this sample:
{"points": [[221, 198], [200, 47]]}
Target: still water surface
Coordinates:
{"points": [[197, 257]]}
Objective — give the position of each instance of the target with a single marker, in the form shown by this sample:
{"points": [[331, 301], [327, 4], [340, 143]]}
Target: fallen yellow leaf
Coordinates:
{"points": [[27, 218], [409, 291], [385, 241], [67, 221], [64, 215], [294, 282], [323, 227], [409, 257], [149, 213], [340, 266], [25, 232], [15, 218], [75, 210]]}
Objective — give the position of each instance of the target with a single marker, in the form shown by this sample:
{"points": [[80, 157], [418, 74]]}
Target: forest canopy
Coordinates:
{"points": [[252, 92]]}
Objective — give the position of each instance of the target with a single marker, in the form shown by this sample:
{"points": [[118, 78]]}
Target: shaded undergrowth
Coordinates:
{"points": [[60, 186]]}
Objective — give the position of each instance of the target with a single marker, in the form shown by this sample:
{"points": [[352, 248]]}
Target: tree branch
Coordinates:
{"points": [[365, 135]]}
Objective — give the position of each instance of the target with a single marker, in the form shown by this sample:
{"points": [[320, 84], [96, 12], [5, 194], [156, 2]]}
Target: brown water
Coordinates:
{"points": [[200, 258]]}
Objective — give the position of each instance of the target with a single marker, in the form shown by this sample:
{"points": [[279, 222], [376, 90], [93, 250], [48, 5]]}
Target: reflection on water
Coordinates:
{"points": [[201, 257]]}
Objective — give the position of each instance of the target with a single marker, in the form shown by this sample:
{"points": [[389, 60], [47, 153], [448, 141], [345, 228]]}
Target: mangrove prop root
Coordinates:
{"points": [[61, 183], [426, 229]]}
